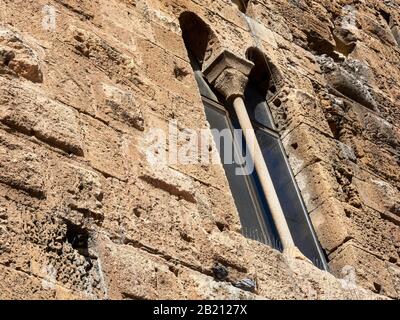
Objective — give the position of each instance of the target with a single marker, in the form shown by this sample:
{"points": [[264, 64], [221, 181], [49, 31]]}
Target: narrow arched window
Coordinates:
{"points": [[255, 216], [263, 85]]}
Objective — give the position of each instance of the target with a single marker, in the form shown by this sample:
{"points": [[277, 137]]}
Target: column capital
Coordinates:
{"points": [[228, 73]]}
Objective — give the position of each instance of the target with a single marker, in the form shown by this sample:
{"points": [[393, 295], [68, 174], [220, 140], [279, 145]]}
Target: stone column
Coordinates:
{"points": [[229, 75]]}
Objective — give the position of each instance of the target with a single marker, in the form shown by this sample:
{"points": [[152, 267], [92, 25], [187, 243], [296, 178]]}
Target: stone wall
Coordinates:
{"points": [[85, 214]]}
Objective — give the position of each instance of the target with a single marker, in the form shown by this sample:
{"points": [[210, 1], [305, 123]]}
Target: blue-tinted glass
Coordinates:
{"points": [[285, 186], [289, 197], [254, 214], [204, 88], [257, 108], [248, 195]]}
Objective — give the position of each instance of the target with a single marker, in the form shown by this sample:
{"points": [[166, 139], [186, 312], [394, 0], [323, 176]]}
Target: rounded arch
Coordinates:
{"points": [[199, 38], [241, 4], [265, 75]]}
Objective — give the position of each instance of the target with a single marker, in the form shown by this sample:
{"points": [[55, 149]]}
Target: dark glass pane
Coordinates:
{"points": [[204, 88], [254, 215], [257, 108], [290, 199]]}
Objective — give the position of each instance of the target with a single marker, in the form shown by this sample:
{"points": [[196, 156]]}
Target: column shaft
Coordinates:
{"points": [[263, 174]]}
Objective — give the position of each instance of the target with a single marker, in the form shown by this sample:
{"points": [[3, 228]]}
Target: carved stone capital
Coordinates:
{"points": [[228, 74]]}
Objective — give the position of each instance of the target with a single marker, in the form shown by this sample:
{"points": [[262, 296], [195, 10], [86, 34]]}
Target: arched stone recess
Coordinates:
{"points": [[200, 39], [265, 74], [290, 103]]}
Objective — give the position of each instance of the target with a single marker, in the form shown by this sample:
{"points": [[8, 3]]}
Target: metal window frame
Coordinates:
{"points": [[254, 194]]}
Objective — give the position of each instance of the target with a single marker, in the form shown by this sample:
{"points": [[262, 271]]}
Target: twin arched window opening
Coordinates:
{"points": [[256, 220]]}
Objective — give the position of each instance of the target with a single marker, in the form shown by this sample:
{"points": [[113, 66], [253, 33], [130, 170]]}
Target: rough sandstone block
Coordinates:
{"points": [[104, 148], [18, 56], [370, 272], [124, 106], [34, 114], [331, 224], [169, 144], [140, 275], [377, 194], [377, 160], [290, 109], [336, 223], [16, 285], [21, 167], [256, 10], [170, 40], [77, 194], [375, 128], [172, 181], [375, 233], [305, 146], [376, 27], [161, 67], [317, 183]]}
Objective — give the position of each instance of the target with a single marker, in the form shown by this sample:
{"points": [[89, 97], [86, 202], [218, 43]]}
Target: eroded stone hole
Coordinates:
{"points": [[198, 37], [272, 89], [6, 57], [319, 45], [174, 270], [348, 213], [342, 47], [335, 128], [186, 237], [392, 260], [277, 103], [377, 288], [78, 238], [180, 72], [220, 271], [221, 227]]}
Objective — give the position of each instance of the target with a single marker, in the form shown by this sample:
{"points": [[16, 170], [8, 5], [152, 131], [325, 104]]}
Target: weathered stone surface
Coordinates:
{"points": [[295, 108], [317, 183], [16, 285], [141, 275], [377, 194], [337, 223], [21, 167], [86, 212], [124, 106], [147, 276], [34, 114], [370, 271], [104, 148], [18, 56], [306, 145]]}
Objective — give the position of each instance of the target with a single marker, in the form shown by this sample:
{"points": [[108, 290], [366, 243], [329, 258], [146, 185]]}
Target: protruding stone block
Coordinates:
{"points": [[18, 57]]}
